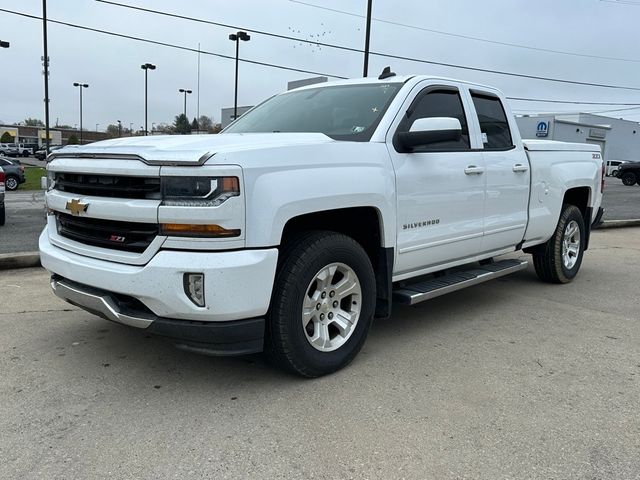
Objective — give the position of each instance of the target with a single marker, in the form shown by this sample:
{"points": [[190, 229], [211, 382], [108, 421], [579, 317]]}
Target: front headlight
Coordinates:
{"points": [[198, 191]]}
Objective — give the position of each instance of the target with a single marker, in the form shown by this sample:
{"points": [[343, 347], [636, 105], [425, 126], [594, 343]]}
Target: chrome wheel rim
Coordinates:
{"points": [[11, 183], [571, 245], [331, 307]]}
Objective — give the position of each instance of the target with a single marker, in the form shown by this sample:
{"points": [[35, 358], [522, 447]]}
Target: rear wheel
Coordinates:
{"points": [[628, 178], [559, 260], [322, 305]]}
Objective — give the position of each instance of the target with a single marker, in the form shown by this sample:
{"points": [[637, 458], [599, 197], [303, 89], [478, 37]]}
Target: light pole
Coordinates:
{"points": [[119, 128], [80, 86], [236, 37], [45, 71], [97, 124], [4, 44], [146, 67], [185, 91]]}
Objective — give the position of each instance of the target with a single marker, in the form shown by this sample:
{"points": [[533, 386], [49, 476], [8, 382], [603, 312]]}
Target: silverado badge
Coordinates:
{"points": [[75, 207]]}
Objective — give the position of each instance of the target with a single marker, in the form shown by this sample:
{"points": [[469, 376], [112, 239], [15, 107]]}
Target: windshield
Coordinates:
{"points": [[343, 112]]}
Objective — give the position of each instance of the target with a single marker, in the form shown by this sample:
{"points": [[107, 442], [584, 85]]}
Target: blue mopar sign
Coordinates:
{"points": [[543, 129]]}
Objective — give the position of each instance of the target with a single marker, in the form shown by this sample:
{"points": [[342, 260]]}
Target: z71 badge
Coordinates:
{"points": [[424, 223]]}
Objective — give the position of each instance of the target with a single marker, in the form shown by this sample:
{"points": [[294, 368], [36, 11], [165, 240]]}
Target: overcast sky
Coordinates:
{"points": [[111, 66]]}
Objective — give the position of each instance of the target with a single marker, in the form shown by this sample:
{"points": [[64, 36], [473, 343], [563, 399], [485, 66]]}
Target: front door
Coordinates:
{"points": [[440, 189]]}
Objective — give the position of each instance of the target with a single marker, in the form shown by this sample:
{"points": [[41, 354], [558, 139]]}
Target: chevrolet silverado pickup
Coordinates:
{"points": [[313, 214]]}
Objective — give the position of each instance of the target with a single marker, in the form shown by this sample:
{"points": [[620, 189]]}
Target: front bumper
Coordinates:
{"points": [[215, 338], [237, 284]]}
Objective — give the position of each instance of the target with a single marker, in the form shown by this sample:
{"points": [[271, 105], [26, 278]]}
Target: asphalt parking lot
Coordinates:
{"points": [[510, 379]]}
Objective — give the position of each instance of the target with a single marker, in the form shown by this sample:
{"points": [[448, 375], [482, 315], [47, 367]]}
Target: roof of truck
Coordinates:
{"points": [[394, 79]]}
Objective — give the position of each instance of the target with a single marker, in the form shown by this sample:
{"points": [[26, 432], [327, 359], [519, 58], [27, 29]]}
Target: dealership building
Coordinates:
{"points": [[618, 139]]}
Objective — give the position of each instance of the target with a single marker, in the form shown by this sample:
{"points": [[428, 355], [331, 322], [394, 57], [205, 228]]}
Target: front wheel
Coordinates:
{"points": [[11, 183], [628, 179], [322, 305], [559, 260]]}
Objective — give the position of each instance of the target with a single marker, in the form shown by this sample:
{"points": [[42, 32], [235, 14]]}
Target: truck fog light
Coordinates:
{"points": [[194, 288]]}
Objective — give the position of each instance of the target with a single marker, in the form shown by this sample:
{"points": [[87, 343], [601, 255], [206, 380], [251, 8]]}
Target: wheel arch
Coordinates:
{"points": [[580, 197], [365, 226]]}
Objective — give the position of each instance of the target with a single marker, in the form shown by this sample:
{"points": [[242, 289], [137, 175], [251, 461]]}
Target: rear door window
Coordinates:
{"points": [[496, 134]]}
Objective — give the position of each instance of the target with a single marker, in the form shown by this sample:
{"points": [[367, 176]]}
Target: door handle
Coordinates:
{"points": [[518, 168], [473, 170]]}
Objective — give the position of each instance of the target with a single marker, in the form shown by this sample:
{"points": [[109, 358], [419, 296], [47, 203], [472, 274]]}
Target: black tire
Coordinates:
{"points": [[11, 182], [286, 343], [615, 173], [2, 215], [548, 260], [25, 153], [628, 179]]}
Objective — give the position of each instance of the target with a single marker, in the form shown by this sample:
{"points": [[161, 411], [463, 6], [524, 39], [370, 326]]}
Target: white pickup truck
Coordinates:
{"points": [[310, 215]]}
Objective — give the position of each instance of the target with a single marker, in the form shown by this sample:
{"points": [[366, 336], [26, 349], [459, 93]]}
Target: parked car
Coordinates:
{"points": [[613, 165], [41, 153], [14, 173], [9, 149], [2, 212], [26, 149], [314, 213], [629, 173]]}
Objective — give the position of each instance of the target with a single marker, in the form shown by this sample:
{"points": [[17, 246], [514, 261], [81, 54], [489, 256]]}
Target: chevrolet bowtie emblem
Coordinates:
{"points": [[75, 207]]}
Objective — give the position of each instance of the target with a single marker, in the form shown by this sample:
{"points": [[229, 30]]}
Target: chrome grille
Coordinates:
{"points": [[112, 186]]}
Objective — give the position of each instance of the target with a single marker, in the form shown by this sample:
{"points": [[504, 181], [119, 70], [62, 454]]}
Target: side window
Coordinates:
{"points": [[494, 126], [438, 103]]}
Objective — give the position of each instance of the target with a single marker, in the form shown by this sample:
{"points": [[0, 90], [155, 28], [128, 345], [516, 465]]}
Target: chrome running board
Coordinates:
{"points": [[420, 291]]}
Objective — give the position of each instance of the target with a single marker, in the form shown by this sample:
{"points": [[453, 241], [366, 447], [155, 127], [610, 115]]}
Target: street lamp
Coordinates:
{"points": [[80, 86], [146, 67], [119, 128], [182, 90], [4, 44], [236, 37], [97, 124]]}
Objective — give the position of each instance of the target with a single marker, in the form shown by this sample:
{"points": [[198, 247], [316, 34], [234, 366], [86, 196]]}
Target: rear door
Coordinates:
{"points": [[440, 187], [507, 174]]}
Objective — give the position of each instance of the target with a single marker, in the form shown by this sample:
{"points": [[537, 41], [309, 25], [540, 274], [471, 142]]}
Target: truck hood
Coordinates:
{"points": [[187, 149]]}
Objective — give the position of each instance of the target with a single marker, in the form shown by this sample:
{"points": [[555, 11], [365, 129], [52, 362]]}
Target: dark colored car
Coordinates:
{"points": [[2, 215], [629, 173], [41, 153], [13, 171]]}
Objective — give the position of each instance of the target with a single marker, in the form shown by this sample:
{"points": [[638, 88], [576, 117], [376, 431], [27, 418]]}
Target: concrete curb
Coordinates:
{"points": [[619, 224], [10, 261]]}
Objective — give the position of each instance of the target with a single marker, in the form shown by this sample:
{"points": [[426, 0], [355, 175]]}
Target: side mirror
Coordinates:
{"points": [[427, 131]]}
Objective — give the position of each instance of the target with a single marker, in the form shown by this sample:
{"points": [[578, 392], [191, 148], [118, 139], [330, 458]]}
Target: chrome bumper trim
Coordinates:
{"points": [[100, 303]]}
